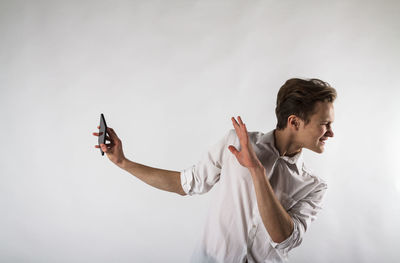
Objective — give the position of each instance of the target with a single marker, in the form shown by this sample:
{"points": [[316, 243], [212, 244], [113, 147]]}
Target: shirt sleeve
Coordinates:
{"points": [[201, 177], [302, 213]]}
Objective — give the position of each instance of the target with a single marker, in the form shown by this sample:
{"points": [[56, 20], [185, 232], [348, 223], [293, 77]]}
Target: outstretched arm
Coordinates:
{"points": [[162, 179], [275, 218]]}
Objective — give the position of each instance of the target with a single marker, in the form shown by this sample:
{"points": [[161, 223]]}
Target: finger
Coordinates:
{"points": [[236, 126], [234, 122], [103, 148], [106, 147], [98, 127], [98, 133], [240, 120], [233, 149], [242, 124]]}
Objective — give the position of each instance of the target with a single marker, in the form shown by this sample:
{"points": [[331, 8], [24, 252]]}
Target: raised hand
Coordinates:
{"points": [[114, 148], [246, 156]]}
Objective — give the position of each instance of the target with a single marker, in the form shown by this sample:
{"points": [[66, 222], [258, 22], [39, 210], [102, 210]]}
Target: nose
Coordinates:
{"points": [[330, 133]]}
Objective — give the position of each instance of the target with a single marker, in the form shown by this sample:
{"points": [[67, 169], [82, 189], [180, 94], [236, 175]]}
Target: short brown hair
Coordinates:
{"points": [[298, 97]]}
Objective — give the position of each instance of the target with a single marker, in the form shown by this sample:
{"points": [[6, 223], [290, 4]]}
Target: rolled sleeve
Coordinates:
{"points": [[302, 213], [201, 177]]}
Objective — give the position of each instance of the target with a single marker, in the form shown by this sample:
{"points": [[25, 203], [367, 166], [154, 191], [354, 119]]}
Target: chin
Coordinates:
{"points": [[321, 149], [317, 149]]}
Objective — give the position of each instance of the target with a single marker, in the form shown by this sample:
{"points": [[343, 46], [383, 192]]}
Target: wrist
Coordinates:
{"points": [[257, 170], [123, 163]]}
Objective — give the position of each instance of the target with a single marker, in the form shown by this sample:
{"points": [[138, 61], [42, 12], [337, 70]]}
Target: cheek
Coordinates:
{"points": [[320, 131]]}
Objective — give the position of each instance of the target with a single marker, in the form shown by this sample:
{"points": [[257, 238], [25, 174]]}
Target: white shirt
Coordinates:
{"points": [[234, 231]]}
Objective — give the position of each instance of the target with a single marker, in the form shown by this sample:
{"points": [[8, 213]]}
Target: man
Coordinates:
{"points": [[267, 197]]}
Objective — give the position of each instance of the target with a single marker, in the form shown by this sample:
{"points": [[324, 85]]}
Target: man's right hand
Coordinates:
{"points": [[114, 148], [159, 178]]}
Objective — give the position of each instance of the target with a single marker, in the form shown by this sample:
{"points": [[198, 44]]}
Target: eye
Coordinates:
{"points": [[327, 124]]}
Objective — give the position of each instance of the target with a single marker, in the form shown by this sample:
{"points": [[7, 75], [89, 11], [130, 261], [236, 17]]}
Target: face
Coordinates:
{"points": [[314, 135]]}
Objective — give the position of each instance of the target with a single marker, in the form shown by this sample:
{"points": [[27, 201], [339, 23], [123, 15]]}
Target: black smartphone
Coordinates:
{"points": [[103, 130]]}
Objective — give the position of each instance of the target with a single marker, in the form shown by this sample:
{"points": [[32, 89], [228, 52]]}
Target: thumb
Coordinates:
{"points": [[233, 149], [103, 147]]}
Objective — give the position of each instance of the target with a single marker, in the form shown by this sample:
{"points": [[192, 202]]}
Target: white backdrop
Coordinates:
{"points": [[168, 75]]}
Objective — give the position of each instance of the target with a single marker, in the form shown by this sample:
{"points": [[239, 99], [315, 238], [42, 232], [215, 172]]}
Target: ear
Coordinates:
{"points": [[294, 122]]}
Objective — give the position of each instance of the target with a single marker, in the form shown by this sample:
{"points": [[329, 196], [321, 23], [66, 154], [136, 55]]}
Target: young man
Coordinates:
{"points": [[267, 197]]}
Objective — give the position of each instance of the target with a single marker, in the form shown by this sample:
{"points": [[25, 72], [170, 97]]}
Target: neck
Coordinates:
{"points": [[284, 142]]}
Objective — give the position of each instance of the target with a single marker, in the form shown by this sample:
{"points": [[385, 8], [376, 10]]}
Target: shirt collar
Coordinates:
{"points": [[269, 138]]}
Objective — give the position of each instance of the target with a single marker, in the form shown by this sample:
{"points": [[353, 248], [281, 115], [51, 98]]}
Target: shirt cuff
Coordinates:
{"points": [[185, 181], [287, 242]]}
